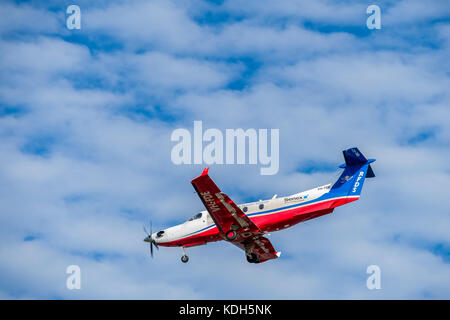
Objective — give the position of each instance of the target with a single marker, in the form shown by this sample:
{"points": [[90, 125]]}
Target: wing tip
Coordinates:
{"points": [[205, 172]]}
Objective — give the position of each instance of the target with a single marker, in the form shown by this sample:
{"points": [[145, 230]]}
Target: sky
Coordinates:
{"points": [[86, 118]]}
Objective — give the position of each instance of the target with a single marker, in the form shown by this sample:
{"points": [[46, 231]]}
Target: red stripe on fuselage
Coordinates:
{"points": [[269, 222]]}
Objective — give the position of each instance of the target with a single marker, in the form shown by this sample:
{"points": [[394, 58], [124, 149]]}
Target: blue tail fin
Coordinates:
{"points": [[356, 169]]}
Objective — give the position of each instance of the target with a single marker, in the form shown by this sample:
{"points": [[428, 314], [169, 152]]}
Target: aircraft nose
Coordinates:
{"points": [[148, 239]]}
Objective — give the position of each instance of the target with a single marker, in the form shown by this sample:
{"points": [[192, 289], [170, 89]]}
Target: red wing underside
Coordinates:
{"points": [[260, 246], [228, 216]]}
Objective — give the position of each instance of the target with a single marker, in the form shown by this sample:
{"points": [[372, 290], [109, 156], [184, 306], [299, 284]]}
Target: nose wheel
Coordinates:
{"points": [[185, 257]]}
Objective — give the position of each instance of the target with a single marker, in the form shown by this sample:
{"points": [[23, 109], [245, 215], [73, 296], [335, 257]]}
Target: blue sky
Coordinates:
{"points": [[85, 123]]}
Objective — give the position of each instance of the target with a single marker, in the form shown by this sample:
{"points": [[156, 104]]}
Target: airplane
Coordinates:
{"points": [[247, 225]]}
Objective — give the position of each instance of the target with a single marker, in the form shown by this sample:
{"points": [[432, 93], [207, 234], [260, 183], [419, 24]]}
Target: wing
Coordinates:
{"points": [[229, 217], [258, 249], [225, 213]]}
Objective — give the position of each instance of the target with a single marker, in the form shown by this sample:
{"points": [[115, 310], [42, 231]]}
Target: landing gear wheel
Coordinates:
{"points": [[184, 258], [253, 258], [231, 235]]}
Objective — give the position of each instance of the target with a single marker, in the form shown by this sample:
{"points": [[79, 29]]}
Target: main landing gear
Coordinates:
{"points": [[252, 258], [184, 258]]}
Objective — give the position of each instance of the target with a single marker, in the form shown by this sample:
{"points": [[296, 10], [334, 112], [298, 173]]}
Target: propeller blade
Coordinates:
{"points": [[152, 242]]}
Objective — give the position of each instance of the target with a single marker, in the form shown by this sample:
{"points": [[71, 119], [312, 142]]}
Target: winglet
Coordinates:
{"points": [[205, 172]]}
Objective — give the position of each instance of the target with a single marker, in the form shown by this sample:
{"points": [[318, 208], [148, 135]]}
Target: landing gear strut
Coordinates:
{"points": [[184, 258]]}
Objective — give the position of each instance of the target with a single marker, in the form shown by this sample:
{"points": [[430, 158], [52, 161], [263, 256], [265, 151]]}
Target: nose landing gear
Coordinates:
{"points": [[184, 258]]}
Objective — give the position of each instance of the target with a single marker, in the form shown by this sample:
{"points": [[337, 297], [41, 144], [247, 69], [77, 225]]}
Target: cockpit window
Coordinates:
{"points": [[160, 234], [197, 216]]}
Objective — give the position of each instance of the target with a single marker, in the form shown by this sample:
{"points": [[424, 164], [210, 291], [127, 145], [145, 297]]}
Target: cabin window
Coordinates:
{"points": [[245, 209], [261, 206], [160, 234], [197, 216]]}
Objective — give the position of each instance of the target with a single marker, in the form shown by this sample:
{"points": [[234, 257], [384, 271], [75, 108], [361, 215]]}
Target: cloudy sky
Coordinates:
{"points": [[85, 123]]}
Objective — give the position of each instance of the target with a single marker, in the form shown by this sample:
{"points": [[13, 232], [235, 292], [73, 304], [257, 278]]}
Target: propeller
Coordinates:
{"points": [[150, 239]]}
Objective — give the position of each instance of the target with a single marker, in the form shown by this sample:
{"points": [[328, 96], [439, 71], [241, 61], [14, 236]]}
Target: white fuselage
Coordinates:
{"points": [[203, 222]]}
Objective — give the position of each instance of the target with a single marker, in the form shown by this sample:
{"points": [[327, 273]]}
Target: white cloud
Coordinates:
{"points": [[28, 19]]}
